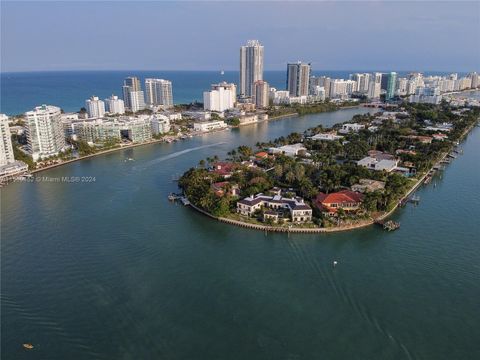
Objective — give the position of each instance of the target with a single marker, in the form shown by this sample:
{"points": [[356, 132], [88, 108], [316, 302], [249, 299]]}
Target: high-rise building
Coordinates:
{"points": [[133, 96], [251, 66], [340, 88], [159, 92], [44, 130], [6, 149], [261, 93], [136, 100], [390, 90], [298, 79], [363, 81], [375, 86], [114, 105], [475, 80], [95, 107], [220, 98]]}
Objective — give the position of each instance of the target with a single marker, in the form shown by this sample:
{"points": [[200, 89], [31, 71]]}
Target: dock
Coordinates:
{"points": [[178, 197], [389, 225]]}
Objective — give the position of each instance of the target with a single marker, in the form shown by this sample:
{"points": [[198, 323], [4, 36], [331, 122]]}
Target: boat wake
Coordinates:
{"points": [[177, 154]]}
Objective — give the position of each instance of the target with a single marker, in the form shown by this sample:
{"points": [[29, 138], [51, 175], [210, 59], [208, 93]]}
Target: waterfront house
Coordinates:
{"points": [[329, 136], [290, 150], [349, 201], [270, 215], [348, 128], [261, 155], [422, 139], [295, 207], [209, 125], [379, 161], [224, 168]]}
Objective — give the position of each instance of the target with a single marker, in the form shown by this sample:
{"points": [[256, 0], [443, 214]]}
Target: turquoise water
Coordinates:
{"points": [[112, 270]]}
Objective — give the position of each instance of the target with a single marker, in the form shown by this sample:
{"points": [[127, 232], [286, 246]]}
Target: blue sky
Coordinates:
{"points": [[383, 35]]}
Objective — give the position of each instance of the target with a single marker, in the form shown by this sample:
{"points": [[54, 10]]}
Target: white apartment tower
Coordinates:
{"points": [[220, 98], [44, 129], [6, 149], [114, 105], [298, 78], [375, 86], [133, 96], [261, 94], [251, 66], [363, 81], [95, 107], [159, 92]]}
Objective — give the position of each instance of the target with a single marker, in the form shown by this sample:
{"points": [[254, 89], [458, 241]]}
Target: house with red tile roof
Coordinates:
{"points": [[261, 155], [224, 168], [347, 200]]}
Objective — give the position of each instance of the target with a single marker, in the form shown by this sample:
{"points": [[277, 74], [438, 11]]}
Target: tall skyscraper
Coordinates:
{"points": [[114, 105], [44, 129], [95, 107], [6, 149], [261, 93], [298, 79], [363, 81], [375, 86], [251, 66], [159, 92], [133, 96], [391, 82]]}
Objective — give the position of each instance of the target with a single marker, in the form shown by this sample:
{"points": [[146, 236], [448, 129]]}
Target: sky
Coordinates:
{"points": [[138, 35]]}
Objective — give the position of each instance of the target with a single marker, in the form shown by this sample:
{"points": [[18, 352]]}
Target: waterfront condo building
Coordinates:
{"points": [[95, 107], [45, 134], [6, 149], [220, 98], [159, 93], [251, 66], [133, 96], [261, 94], [298, 78], [114, 105]]}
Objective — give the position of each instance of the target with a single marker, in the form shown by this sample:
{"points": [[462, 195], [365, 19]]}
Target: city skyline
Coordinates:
{"points": [[345, 36]]}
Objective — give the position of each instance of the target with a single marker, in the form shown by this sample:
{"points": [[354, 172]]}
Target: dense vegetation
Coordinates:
{"points": [[332, 164]]}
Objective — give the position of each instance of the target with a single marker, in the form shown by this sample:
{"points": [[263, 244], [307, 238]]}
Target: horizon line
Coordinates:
{"points": [[219, 70]]}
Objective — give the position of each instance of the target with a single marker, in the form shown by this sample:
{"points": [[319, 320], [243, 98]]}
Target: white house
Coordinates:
{"points": [[373, 163], [289, 150], [347, 128], [209, 125], [327, 136], [298, 209]]}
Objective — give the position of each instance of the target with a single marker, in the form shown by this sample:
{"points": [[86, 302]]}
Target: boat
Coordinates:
{"points": [[28, 346], [222, 72], [185, 201], [415, 199]]}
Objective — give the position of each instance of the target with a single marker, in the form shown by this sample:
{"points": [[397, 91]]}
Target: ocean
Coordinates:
{"points": [[21, 92]]}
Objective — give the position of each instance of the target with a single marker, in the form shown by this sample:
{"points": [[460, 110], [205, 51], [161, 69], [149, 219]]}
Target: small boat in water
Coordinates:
{"points": [[28, 346]]}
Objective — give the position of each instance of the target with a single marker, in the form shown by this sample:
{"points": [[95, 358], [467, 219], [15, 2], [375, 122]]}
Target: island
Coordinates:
{"points": [[331, 179]]}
